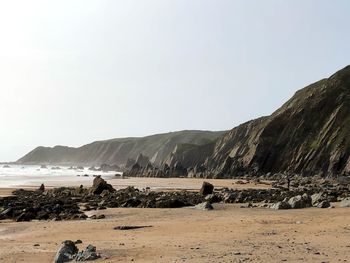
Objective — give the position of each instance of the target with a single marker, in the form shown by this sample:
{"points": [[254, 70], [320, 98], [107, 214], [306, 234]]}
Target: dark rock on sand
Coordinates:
{"points": [[88, 254], [99, 185], [42, 188], [281, 205], [66, 252], [207, 188], [129, 227], [324, 204]]}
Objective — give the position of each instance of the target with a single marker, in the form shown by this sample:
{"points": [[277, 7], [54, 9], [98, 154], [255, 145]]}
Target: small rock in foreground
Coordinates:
{"points": [[129, 227], [66, 252]]}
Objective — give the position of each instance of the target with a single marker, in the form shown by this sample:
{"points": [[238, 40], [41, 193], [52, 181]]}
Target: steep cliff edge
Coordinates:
{"points": [[310, 134]]}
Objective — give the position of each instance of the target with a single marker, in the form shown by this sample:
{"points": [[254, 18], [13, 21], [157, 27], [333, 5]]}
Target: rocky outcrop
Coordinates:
{"points": [[309, 135], [117, 151], [142, 160]]}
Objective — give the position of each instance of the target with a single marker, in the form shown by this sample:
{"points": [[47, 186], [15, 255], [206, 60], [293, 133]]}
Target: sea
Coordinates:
{"points": [[16, 176]]}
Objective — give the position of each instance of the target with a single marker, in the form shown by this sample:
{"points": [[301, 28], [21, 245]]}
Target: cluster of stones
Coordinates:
{"points": [[68, 251], [71, 203]]}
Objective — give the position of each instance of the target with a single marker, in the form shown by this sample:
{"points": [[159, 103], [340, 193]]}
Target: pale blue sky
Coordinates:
{"points": [[72, 72]]}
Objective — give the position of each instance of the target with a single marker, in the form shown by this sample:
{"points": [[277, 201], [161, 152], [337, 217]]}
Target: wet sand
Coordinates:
{"points": [[153, 183]]}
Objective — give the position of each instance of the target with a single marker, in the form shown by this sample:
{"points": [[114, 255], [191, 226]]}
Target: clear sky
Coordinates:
{"points": [[72, 72]]}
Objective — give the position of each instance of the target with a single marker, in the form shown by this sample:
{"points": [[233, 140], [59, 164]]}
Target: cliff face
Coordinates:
{"points": [[309, 134], [156, 148]]}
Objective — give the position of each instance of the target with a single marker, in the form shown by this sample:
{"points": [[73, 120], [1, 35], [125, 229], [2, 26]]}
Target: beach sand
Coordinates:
{"points": [[226, 234]]}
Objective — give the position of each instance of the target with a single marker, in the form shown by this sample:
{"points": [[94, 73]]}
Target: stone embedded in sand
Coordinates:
{"points": [[66, 252], [207, 188], [129, 227]]}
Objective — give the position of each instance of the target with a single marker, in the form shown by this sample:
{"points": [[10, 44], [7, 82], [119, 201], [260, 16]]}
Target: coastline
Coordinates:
{"points": [[159, 184]]}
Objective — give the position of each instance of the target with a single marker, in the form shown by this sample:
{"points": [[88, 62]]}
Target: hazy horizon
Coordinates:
{"points": [[73, 72]]}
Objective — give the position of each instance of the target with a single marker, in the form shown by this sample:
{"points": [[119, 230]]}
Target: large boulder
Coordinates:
{"points": [[66, 252], [99, 185], [207, 188]]}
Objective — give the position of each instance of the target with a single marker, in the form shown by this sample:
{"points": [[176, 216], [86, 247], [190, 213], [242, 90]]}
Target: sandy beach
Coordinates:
{"points": [[226, 234]]}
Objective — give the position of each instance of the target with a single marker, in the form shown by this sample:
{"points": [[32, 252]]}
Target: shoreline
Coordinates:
{"points": [[158, 184]]}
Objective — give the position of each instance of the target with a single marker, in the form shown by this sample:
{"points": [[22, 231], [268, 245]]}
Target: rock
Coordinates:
{"points": [[97, 217], [170, 203], [317, 198], [6, 213], [66, 252], [299, 201], [324, 204], [345, 202], [281, 205], [129, 227], [88, 254], [42, 188], [204, 206], [99, 185], [207, 188], [142, 160], [212, 198]]}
